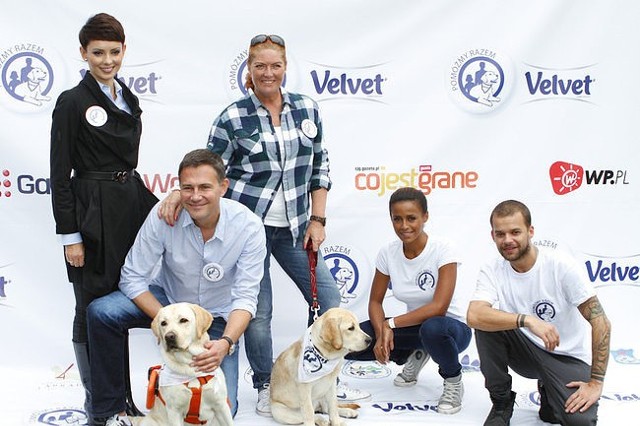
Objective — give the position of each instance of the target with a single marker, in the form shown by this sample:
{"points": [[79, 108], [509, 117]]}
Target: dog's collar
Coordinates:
{"points": [[313, 364]]}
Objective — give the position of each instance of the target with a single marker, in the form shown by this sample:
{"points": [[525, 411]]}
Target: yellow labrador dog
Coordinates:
{"points": [[181, 329], [303, 379]]}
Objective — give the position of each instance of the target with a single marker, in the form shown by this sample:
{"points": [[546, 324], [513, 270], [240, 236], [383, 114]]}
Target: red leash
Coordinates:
{"points": [[313, 261]]}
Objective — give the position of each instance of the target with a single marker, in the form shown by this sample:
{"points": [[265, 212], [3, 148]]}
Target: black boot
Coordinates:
{"points": [[502, 410], [131, 408], [82, 361]]}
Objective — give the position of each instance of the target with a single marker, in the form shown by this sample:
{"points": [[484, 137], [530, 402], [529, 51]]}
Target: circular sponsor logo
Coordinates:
{"points": [[351, 270], [213, 272], [60, 416], [365, 369], [545, 310], [425, 280], [309, 128], [29, 78], [480, 80], [96, 115]]}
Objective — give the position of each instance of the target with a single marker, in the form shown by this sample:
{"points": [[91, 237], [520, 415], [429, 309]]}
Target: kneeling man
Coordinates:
{"points": [[213, 256], [536, 312]]}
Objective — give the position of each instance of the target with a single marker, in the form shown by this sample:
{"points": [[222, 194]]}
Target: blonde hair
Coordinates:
{"points": [[253, 51]]}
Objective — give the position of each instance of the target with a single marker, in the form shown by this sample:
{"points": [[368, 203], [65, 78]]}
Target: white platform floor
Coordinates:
{"points": [[51, 397]]}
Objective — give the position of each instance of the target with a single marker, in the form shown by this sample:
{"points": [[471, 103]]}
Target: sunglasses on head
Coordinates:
{"points": [[261, 38]]}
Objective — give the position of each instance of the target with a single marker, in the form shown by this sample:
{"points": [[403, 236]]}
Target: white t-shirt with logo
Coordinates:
{"points": [[413, 281], [551, 290]]}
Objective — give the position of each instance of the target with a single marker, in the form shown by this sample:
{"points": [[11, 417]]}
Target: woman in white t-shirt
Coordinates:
{"points": [[421, 270]]}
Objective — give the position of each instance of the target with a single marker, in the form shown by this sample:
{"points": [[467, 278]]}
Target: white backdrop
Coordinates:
{"points": [[396, 82]]}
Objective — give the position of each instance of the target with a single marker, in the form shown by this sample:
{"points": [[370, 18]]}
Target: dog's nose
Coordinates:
{"points": [[170, 339], [367, 339]]}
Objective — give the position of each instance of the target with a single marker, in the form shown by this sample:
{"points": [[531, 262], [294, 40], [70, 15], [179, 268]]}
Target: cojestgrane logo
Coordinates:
{"points": [[567, 177], [480, 79], [425, 177]]}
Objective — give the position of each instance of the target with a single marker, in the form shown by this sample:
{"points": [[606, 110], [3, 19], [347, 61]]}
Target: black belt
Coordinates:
{"points": [[121, 177]]}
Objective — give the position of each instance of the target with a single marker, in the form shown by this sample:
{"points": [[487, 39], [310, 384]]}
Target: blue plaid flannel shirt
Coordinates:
{"points": [[245, 138]]}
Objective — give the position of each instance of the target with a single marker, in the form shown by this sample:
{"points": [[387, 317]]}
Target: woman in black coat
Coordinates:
{"points": [[99, 200]]}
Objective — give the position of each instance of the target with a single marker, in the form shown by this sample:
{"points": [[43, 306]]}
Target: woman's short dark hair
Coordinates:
{"points": [[101, 27], [509, 208], [203, 157], [409, 194]]}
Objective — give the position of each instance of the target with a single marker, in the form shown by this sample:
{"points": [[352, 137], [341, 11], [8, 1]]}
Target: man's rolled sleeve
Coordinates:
{"points": [[249, 272], [147, 249]]}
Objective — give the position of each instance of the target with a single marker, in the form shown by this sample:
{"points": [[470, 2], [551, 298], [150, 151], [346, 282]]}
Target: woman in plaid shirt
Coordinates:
{"points": [[271, 143]]}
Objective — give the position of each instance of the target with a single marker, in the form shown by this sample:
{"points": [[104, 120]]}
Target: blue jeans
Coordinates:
{"points": [[443, 338], [109, 319], [294, 261]]}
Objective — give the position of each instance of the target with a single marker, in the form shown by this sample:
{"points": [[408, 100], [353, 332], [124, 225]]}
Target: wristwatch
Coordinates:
{"points": [[232, 346], [320, 219], [391, 323]]}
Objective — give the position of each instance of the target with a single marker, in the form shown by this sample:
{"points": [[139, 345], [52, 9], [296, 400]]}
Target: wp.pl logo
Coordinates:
{"points": [[567, 177]]}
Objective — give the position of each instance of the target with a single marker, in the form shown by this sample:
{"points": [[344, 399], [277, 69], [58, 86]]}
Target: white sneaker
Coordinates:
{"points": [[117, 420], [346, 394], [263, 407], [451, 399], [409, 374]]}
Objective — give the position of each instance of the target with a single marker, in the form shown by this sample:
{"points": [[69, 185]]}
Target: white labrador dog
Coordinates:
{"points": [[303, 379], [181, 329]]}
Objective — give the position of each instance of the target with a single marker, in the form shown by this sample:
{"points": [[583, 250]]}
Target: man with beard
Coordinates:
{"points": [[529, 311]]}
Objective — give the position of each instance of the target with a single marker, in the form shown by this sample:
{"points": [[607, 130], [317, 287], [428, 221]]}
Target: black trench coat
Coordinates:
{"points": [[108, 214]]}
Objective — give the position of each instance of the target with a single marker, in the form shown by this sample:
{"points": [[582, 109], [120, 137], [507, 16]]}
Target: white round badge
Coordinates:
{"points": [[96, 115], [309, 128], [213, 272]]}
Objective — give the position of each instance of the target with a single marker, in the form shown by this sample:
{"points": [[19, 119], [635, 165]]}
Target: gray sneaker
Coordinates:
{"points": [[263, 407], [409, 374], [451, 400]]}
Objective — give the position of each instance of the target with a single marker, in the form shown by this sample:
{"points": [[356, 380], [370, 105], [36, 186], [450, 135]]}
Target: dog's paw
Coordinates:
{"points": [[347, 413], [136, 420], [321, 420]]}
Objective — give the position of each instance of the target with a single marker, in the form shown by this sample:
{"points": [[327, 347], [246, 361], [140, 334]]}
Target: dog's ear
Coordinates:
{"points": [[203, 319], [330, 332], [155, 327]]}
